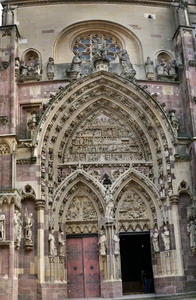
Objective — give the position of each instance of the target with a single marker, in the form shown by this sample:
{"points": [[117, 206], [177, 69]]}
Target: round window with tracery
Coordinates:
{"points": [[85, 44]]}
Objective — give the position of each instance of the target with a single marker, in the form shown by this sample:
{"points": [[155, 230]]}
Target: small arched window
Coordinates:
{"points": [[85, 44]]}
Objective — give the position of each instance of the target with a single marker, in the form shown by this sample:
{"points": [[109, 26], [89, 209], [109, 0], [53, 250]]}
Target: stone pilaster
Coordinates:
{"points": [[40, 206]]}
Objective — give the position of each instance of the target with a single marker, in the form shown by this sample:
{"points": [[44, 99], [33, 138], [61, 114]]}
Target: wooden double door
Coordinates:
{"points": [[83, 274]]}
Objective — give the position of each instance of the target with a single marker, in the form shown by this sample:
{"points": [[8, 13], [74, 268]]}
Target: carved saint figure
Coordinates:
{"points": [[17, 228], [28, 220], [162, 68], [109, 205], [52, 246], [2, 226], [126, 64], [116, 244], [61, 244], [76, 63], [149, 65], [191, 229], [50, 68], [100, 49], [166, 238], [155, 239], [102, 243]]}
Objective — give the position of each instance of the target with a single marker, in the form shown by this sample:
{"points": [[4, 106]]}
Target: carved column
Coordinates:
{"points": [[40, 206], [112, 286], [175, 219]]}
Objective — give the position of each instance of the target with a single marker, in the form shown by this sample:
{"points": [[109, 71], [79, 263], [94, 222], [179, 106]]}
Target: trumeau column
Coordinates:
{"points": [[40, 206], [175, 220]]}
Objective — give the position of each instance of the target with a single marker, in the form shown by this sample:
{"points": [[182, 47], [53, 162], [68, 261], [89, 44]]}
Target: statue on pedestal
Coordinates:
{"points": [[50, 68], [166, 238], [155, 239], [28, 222], [128, 71], [102, 243], [17, 228], [109, 205], [2, 226], [52, 246]]}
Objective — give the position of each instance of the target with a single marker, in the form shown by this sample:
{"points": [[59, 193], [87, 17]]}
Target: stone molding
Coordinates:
{"points": [[10, 196], [40, 204]]}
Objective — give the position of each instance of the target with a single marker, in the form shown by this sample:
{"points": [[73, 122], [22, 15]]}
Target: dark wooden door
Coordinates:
{"points": [[83, 267]]}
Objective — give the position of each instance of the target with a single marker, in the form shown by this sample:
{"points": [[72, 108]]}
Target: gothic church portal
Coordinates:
{"points": [[97, 149]]}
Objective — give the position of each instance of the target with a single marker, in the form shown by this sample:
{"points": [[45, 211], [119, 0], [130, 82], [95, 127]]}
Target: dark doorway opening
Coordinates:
{"points": [[136, 264]]}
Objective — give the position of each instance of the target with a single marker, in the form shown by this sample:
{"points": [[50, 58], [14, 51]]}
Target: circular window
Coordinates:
{"points": [[86, 44]]}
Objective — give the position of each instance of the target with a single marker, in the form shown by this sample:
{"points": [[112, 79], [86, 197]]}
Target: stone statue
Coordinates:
{"points": [[191, 229], [23, 69], [155, 239], [162, 68], [50, 68], [61, 244], [52, 246], [76, 63], [17, 228], [28, 222], [17, 66], [166, 238], [116, 244], [7, 15], [36, 67], [2, 226], [102, 243], [109, 205], [149, 66], [172, 68], [100, 49], [127, 66]]}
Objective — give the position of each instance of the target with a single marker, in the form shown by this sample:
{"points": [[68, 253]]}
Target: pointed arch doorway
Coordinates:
{"points": [[136, 262]]}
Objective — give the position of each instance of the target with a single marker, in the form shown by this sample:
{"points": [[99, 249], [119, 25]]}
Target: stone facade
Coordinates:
{"points": [[97, 142]]}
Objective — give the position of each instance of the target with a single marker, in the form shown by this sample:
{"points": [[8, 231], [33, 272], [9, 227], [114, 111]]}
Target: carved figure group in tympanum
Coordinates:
{"points": [[104, 139], [133, 207], [81, 209]]}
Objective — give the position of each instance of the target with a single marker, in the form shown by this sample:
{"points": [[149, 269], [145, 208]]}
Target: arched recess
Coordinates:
{"points": [[78, 203], [63, 47], [123, 103], [31, 56], [137, 202]]}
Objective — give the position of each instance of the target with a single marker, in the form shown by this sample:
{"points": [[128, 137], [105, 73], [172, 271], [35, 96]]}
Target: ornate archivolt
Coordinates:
{"points": [[72, 134]]}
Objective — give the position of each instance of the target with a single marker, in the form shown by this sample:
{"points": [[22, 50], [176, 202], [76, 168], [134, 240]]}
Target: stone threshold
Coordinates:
{"points": [[184, 296]]}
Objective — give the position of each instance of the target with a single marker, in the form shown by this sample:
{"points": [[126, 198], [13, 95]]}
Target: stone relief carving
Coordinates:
{"points": [[28, 223], [166, 238], [109, 201], [81, 209], [17, 228], [103, 139], [31, 71], [4, 148], [166, 70], [149, 66], [128, 70], [2, 226], [50, 68], [3, 120], [155, 239], [52, 243], [102, 243], [133, 207]]}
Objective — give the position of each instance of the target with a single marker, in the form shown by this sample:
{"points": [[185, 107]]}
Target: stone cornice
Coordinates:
{"points": [[42, 2]]}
